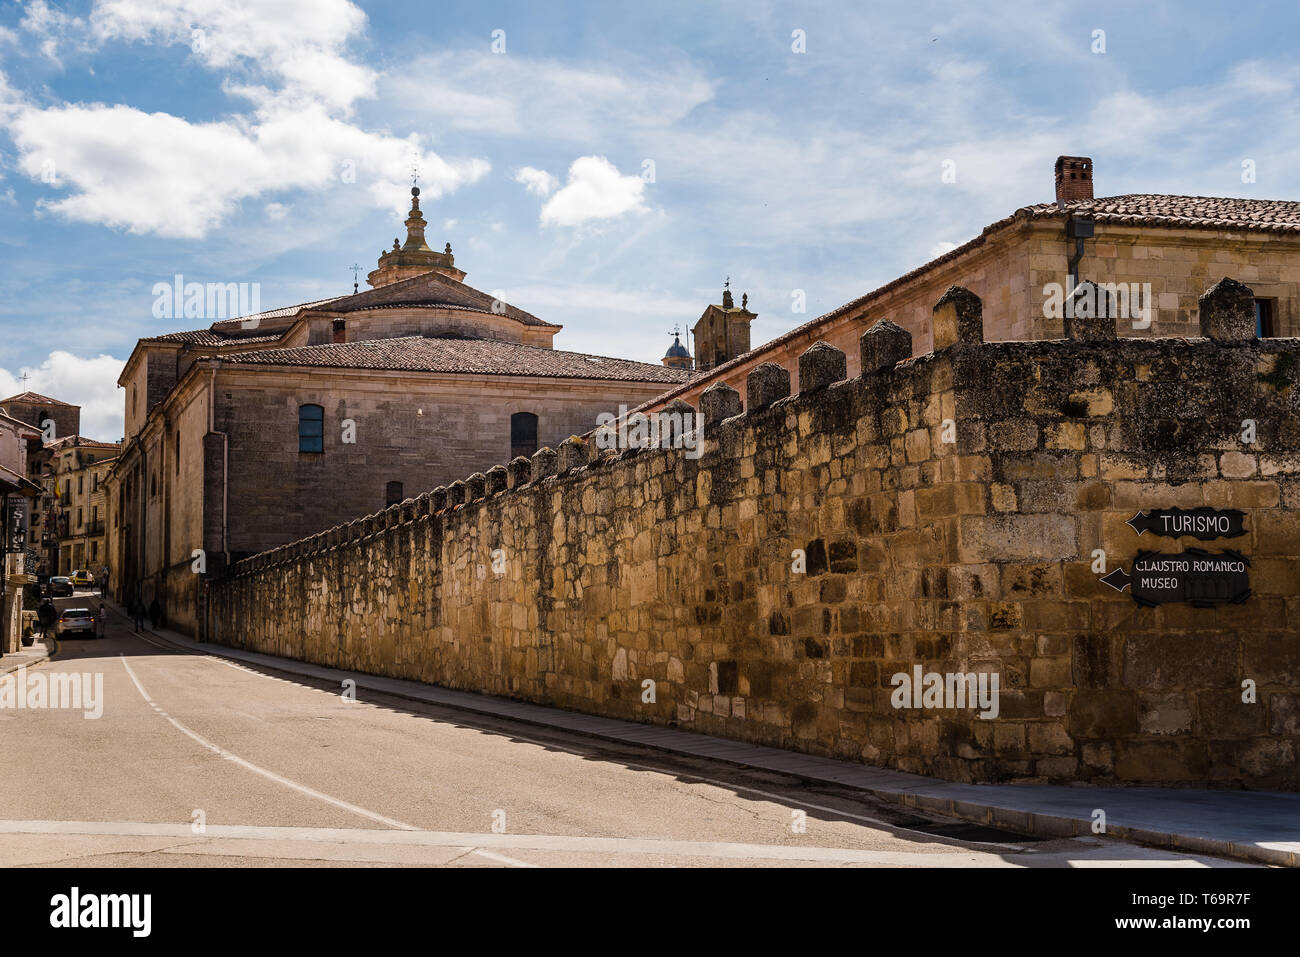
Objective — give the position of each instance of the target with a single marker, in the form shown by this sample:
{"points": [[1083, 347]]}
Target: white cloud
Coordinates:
{"points": [[276, 211], [596, 190], [52, 26], [301, 41], [160, 173], [537, 181], [518, 95], [89, 383], [941, 247]]}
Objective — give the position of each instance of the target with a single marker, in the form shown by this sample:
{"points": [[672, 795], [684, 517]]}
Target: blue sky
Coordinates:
{"points": [[272, 143]]}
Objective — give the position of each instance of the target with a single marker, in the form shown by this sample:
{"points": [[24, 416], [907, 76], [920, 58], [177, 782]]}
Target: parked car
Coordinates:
{"points": [[76, 621], [60, 585], [83, 579]]}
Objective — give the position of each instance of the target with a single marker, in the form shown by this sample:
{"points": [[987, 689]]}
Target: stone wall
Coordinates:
{"points": [[948, 509]]}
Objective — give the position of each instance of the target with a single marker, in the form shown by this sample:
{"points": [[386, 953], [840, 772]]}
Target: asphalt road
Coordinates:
{"points": [[196, 761]]}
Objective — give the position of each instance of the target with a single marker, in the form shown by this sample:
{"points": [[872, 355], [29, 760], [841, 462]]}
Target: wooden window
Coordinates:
{"points": [[523, 434], [311, 428]]}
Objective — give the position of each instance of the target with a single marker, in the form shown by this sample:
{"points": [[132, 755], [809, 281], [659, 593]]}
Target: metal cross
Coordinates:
{"points": [[356, 273]]}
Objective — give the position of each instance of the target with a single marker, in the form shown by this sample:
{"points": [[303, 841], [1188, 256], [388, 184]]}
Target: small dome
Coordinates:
{"points": [[677, 350]]}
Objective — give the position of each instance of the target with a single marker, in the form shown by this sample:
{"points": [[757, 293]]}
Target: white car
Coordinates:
{"points": [[76, 620]]}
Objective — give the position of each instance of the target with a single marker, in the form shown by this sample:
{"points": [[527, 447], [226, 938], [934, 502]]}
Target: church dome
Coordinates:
{"points": [[677, 350]]}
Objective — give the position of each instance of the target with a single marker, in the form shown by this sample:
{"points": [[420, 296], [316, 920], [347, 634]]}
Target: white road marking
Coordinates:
{"points": [[780, 799], [564, 843], [249, 766], [501, 858]]}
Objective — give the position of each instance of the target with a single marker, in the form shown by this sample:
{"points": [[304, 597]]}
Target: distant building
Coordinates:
{"points": [[17, 493], [74, 480], [257, 431]]}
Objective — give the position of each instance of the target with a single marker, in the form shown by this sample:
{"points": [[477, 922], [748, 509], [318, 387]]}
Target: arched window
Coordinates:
{"points": [[311, 428], [523, 434], [393, 494]]}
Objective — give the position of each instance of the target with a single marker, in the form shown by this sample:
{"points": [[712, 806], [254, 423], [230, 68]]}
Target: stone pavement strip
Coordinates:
{"points": [[1258, 826], [35, 653]]}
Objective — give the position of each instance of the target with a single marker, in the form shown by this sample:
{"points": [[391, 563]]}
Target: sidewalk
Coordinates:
{"points": [[1257, 826], [33, 654]]}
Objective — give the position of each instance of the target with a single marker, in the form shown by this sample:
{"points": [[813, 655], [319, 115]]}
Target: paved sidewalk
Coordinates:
{"points": [[1258, 826], [33, 654]]}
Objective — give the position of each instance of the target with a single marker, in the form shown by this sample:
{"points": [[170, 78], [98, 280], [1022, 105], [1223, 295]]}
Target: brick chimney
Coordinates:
{"points": [[1073, 178]]}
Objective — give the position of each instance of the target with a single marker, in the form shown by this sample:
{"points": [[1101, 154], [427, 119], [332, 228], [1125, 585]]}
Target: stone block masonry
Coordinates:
{"points": [[955, 511]]}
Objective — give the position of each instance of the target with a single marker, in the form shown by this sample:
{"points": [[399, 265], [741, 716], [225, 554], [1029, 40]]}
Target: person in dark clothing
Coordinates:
{"points": [[137, 612], [46, 614], [155, 614]]}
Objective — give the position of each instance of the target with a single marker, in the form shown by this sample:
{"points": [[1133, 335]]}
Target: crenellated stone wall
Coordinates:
{"points": [[954, 511]]}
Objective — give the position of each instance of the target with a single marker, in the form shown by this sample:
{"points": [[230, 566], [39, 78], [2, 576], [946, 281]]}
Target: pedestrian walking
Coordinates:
{"points": [[46, 614], [103, 583], [101, 623], [137, 611], [155, 614]]}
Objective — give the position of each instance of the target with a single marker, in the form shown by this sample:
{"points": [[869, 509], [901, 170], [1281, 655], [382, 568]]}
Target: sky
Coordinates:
{"points": [[603, 166]]}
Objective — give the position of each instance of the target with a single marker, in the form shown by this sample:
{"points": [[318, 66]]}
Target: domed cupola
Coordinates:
{"points": [[415, 256]]}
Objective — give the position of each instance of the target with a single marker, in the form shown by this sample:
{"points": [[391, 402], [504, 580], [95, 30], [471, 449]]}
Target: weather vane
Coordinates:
{"points": [[356, 273], [415, 169]]}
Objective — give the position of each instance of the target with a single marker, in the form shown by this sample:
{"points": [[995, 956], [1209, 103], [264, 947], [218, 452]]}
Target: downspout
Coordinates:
{"points": [[1077, 228], [225, 461]]}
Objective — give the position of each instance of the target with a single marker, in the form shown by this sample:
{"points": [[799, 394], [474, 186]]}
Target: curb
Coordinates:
{"points": [[49, 656], [1010, 819]]}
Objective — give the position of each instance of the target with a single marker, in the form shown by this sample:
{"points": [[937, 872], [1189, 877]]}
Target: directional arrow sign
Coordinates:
{"points": [[1196, 576], [1118, 579], [1203, 523]]}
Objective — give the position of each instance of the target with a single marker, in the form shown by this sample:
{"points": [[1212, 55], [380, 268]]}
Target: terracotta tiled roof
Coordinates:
{"points": [[1197, 212], [285, 312], [206, 337], [81, 442], [427, 290], [433, 289], [467, 356], [36, 399]]}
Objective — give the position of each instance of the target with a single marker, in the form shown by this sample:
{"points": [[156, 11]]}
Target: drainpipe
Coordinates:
{"points": [[225, 460], [1077, 228]]}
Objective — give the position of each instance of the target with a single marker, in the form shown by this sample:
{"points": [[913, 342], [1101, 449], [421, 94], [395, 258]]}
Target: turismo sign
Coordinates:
{"points": [[1204, 523], [1196, 576]]}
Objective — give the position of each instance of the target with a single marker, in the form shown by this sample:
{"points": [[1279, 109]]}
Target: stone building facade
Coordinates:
{"points": [[262, 429], [18, 498], [1172, 247], [943, 513], [74, 481]]}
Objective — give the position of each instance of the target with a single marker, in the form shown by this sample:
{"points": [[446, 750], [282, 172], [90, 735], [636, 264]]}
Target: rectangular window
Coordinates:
{"points": [[311, 429], [1264, 324], [79, 522]]}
